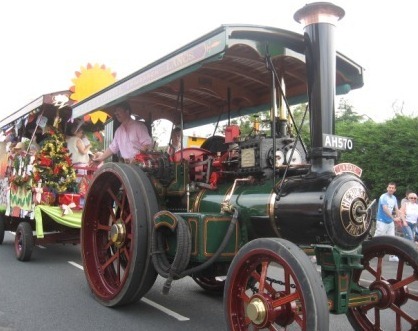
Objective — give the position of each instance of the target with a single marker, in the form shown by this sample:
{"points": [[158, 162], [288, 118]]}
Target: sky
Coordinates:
{"points": [[44, 42]]}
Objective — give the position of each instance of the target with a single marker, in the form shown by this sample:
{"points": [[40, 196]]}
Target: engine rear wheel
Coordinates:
{"points": [[210, 284], [116, 234], [272, 284], [24, 241], [397, 283]]}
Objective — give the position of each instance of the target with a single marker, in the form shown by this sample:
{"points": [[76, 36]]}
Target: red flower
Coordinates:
{"points": [[36, 177], [57, 169], [45, 161], [68, 159]]}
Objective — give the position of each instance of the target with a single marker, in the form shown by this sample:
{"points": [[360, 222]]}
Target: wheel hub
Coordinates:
{"points": [[262, 314], [256, 311], [118, 233], [387, 293]]}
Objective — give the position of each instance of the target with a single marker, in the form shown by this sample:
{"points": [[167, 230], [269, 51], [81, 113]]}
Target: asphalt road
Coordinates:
{"points": [[50, 293]]}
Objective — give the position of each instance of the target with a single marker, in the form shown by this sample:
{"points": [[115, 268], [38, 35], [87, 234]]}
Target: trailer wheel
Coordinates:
{"points": [[272, 284], [2, 228], [24, 241], [210, 284], [116, 234], [396, 283]]}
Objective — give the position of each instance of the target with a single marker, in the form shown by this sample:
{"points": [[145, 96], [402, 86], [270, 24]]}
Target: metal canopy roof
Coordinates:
{"points": [[225, 69], [48, 103]]}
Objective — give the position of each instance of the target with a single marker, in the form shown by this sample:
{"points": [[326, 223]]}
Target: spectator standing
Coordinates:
{"points": [[131, 137], [387, 214], [409, 216], [405, 199]]}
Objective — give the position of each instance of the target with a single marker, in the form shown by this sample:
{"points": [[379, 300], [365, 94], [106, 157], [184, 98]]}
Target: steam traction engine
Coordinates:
{"points": [[252, 209]]}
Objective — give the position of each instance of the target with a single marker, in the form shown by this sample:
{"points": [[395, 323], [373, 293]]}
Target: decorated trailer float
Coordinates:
{"points": [[39, 185], [242, 213]]}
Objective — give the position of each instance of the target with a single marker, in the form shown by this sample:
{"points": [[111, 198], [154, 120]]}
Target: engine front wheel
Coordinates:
{"points": [[272, 284], [116, 234], [391, 269]]}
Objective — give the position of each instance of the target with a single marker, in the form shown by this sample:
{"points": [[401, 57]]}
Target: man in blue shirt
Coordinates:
{"points": [[385, 221]]}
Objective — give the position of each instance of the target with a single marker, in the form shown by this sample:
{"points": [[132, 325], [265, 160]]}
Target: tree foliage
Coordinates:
{"points": [[385, 151]]}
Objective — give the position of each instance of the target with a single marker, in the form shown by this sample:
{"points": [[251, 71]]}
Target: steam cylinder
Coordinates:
{"points": [[307, 209]]}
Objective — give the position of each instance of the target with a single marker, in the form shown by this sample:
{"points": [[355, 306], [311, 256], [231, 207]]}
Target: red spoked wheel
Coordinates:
{"points": [[396, 283], [116, 234], [210, 284], [272, 284]]}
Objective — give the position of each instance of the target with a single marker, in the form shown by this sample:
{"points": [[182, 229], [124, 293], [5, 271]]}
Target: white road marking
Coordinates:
{"points": [[149, 302], [76, 265], [166, 310]]}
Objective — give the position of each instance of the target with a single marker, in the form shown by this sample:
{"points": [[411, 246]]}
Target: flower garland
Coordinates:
{"points": [[20, 175], [21, 179], [53, 163]]}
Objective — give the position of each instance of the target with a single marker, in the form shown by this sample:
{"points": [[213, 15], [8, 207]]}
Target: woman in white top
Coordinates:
{"points": [[409, 216], [78, 150]]}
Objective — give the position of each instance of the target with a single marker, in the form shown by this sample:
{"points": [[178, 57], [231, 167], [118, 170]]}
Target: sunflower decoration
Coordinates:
{"points": [[88, 81], [53, 163]]}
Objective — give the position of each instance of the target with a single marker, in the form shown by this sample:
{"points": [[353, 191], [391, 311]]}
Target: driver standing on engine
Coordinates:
{"points": [[131, 137]]}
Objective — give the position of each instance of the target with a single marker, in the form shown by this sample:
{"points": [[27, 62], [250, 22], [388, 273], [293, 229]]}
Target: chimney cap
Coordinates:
{"points": [[319, 12]]}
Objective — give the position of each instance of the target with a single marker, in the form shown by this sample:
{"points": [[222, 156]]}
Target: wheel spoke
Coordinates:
{"points": [[379, 267], [262, 281], [103, 227], [125, 252], [399, 272], [114, 197], [400, 313], [112, 216], [414, 297], [287, 281], [244, 297], [118, 268], [128, 219], [110, 260], [377, 318], [123, 204], [409, 280], [263, 276], [286, 299]]}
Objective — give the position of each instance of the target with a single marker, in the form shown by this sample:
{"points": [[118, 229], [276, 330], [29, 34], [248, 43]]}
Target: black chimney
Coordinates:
{"points": [[319, 20]]}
